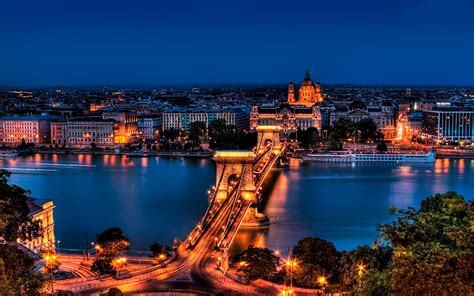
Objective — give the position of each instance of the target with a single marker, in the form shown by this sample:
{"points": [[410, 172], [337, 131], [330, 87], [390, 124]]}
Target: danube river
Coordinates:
{"points": [[158, 199]]}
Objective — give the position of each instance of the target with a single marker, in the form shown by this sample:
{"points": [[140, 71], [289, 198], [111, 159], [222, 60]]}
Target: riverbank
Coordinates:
{"points": [[177, 153]]}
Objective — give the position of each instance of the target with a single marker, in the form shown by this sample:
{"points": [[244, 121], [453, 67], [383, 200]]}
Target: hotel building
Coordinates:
{"points": [[182, 119], [31, 129], [449, 123]]}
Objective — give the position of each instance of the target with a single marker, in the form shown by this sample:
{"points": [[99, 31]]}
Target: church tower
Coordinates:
{"points": [[291, 92]]}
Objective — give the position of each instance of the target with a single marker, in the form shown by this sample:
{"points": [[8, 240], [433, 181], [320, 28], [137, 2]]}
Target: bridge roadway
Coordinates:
{"points": [[196, 265]]}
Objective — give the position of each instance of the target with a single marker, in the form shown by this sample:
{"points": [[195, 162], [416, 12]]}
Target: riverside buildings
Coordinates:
{"points": [[31, 129], [182, 119], [449, 123]]}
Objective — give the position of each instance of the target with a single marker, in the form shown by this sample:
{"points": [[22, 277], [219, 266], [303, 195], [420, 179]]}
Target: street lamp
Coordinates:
{"points": [[57, 249]]}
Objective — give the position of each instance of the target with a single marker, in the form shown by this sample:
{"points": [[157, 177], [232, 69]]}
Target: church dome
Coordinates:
{"points": [[307, 80]]}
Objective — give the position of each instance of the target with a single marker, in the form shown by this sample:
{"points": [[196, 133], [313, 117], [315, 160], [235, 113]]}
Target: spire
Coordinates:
{"points": [[307, 76]]}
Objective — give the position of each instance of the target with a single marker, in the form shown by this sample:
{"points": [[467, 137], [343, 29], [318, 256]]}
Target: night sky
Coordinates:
{"points": [[114, 42]]}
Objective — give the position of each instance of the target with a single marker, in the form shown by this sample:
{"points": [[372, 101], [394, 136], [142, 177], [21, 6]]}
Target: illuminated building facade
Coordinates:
{"points": [[449, 124], [309, 93], [298, 113], [126, 131], [43, 213], [82, 132], [148, 127], [31, 129], [59, 132], [383, 115], [182, 119], [288, 117]]}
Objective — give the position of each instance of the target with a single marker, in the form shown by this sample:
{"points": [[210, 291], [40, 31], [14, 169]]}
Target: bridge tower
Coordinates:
{"points": [[230, 164], [266, 134]]}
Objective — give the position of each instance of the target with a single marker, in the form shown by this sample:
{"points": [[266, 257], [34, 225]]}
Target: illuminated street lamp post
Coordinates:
{"points": [[57, 248], [360, 272]]}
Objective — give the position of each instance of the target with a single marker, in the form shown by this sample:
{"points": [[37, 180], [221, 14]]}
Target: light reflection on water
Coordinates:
{"points": [[158, 199]]}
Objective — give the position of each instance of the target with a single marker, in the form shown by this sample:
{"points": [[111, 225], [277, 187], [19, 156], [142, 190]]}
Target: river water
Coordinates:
{"points": [[158, 199]]}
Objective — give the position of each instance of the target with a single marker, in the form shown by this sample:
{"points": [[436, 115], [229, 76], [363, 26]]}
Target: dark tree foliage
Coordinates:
{"points": [[113, 241], [103, 265], [433, 247], [197, 132], [309, 138], [365, 130], [382, 147], [254, 263], [114, 292], [110, 243], [170, 135], [223, 136], [160, 253], [370, 258], [341, 129], [315, 257], [18, 277]]}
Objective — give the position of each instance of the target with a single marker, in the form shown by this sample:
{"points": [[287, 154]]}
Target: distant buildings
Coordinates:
{"points": [[298, 113], [182, 119], [82, 132], [31, 129], [383, 115], [449, 123], [309, 93], [149, 127]]}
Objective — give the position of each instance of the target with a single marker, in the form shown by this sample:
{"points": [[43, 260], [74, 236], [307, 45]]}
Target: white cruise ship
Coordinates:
{"points": [[347, 156]]}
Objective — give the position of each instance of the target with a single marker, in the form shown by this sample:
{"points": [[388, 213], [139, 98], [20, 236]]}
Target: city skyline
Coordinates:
{"points": [[80, 44]]}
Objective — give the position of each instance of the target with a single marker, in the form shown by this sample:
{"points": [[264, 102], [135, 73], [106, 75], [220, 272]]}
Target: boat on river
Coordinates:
{"points": [[350, 156]]}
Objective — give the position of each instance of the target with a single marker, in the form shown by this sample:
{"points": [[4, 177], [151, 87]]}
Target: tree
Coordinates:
{"points": [[341, 129], [22, 145], [382, 147], [222, 135], [197, 131], [103, 265], [18, 277], [315, 257], [93, 145], [433, 247], [256, 263], [309, 138], [365, 130], [353, 264], [160, 252], [110, 243], [114, 292]]}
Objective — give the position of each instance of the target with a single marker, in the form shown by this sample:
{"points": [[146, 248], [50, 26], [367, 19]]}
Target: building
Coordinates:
{"points": [[383, 115], [59, 132], [127, 129], [82, 132], [309, 93], [148, 127], [300, 112], [31, 129], [449, 123], [43, 213], [288, 117], [414, 123], [182, 119]]}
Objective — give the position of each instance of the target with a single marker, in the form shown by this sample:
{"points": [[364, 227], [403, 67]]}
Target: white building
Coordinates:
{"points": [[182, 119], [31, 129]]}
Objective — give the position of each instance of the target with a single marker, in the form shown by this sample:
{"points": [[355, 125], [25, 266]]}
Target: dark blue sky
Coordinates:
{"points": [[98, 42]]}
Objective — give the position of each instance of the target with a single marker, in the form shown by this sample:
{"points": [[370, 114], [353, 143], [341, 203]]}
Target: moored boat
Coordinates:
{"points": [[348, 156]]}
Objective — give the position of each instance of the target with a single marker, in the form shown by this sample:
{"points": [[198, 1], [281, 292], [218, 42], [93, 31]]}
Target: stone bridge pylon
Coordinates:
{"points": [[233, 165], [268, 134]]}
